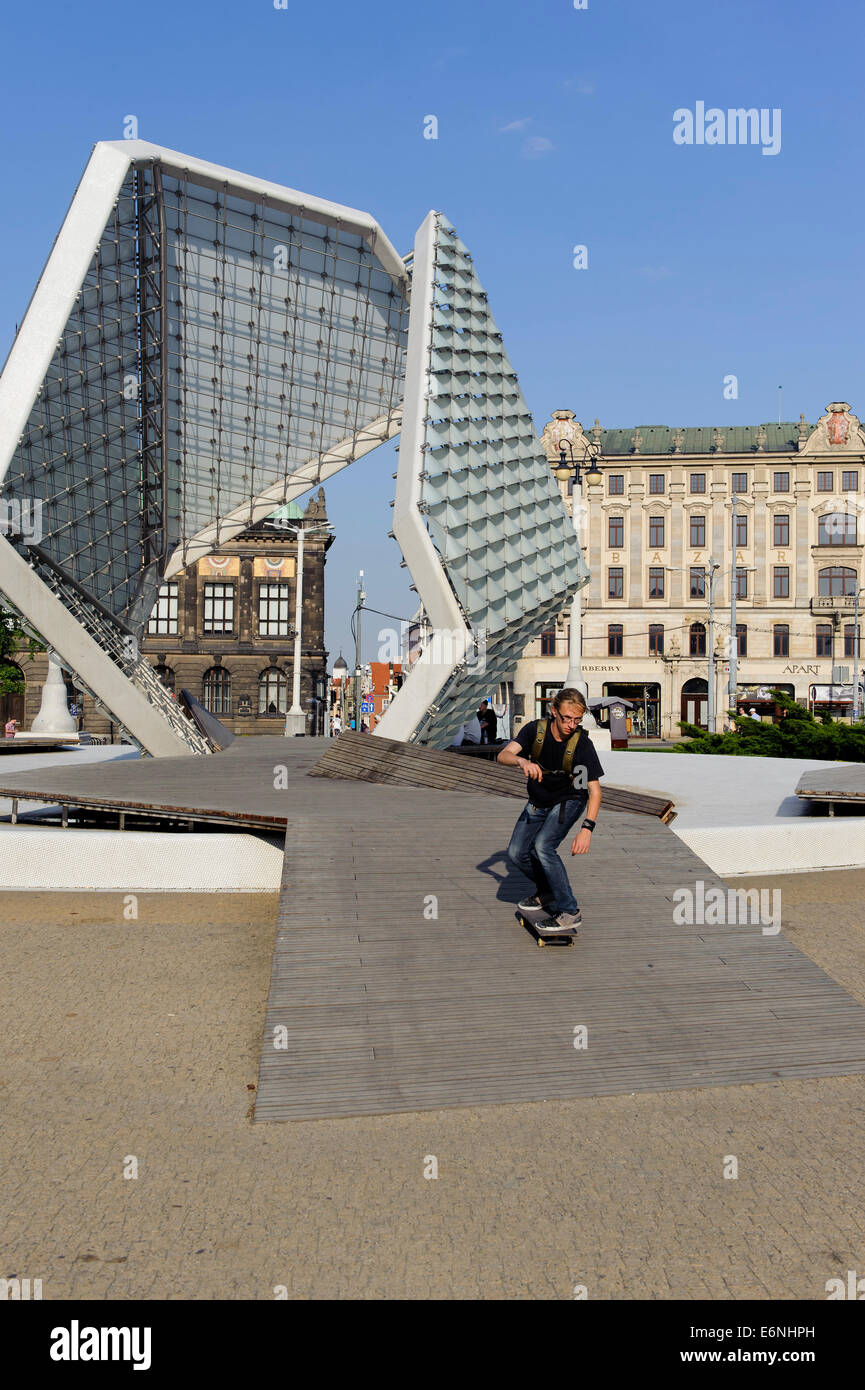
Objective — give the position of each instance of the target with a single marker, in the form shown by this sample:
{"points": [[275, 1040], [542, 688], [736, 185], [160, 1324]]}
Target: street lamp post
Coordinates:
{"points": [[857, 704], [713, 568], [572, 470], [295, 719]]}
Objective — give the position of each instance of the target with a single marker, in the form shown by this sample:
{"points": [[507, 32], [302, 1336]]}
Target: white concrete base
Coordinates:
{"points": [[54, 717], [803, 845], [601, 739], [295, 722], [129, 861]]}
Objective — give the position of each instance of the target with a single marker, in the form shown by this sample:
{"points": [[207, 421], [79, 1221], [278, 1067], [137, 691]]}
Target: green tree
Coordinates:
{"points": [[14, 641]]}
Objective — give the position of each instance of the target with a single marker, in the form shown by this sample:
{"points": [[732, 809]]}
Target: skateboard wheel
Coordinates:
{"points": [[541, 941]]}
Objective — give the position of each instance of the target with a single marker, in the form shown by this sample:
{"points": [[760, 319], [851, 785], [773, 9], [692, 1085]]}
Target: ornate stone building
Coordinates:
{"points": [[652, 526], [224, 630]]}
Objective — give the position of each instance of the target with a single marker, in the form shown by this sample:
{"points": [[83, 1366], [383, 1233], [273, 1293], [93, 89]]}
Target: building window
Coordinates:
{"points": [[740, 482], [217, 690], [273, 610], [614, 639], [781, 482], [166, 675], [616, 531], [548, 642], [219, 608], [825, 482], [824, 639], [782, 528], [837, 528], [616, 582], [656, 639], [837, 582], [698, 640], [781, 633], [698, 581], [656, 581], [850, 640], [741, 582], [698, 482], [272, 691], [850, 480], [780, 581], [741, 639], [656, 482], [163, 619], [616, 482], [656, 532], [698, 532], [741, 536]]}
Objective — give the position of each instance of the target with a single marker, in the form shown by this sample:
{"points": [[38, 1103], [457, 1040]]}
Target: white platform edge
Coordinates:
{"points": [[800, 845], [35, 859]]}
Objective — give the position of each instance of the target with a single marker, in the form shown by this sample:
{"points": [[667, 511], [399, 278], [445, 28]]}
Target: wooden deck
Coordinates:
{"points": [[375, 1007], [845, 783], [234, 788]]}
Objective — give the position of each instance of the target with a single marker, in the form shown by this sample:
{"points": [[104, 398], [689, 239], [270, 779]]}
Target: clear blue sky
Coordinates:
{"points": [[555, 128]]}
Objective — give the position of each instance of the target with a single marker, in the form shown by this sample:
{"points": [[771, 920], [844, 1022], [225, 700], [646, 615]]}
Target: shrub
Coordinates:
{"points": [[797, 735]]}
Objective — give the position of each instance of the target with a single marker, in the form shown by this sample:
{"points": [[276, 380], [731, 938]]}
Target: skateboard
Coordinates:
{"points": [[531, 921]]}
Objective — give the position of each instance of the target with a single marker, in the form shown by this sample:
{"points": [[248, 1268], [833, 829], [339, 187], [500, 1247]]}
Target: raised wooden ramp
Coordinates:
{"points": [[368, 758], [845, 783], [401, 980]]}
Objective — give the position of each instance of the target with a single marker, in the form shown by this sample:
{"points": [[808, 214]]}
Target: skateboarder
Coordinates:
{"points": [[562, 772]]}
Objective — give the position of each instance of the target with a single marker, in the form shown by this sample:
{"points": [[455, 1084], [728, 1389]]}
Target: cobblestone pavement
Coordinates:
{"points": [[137, 1039]]}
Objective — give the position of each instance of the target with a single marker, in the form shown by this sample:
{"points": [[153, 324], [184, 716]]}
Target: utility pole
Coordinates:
{"points": [[732, 685], [358, 669], [713, 567], [857, 704], [295, 720]]}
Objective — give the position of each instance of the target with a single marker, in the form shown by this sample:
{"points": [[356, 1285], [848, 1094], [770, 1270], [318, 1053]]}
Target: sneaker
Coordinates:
{"points": [[534, 905], [564, 922]]}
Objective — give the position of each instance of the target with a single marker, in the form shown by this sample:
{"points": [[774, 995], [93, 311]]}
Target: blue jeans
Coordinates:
{"points": [[534, 850]]}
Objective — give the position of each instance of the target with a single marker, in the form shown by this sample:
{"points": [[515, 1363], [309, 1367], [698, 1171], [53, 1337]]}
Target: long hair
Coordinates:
{"points": [[569, 696]]}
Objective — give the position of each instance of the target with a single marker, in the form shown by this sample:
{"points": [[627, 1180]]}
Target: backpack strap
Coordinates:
{"points": [[570, 752], [540, 735]]}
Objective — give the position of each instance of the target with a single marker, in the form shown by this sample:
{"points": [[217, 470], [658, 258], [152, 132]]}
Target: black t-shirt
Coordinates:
{"points": [[555, 785]]}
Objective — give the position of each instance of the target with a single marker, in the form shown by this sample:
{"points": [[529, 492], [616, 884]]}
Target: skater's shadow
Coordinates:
{"points": [[511, 883]]}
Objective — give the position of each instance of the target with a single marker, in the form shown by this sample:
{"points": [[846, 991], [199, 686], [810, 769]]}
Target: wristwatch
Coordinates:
{"points": [[588, 824]]}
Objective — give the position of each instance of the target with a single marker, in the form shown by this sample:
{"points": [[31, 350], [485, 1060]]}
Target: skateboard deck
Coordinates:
{"points": [[530, 922]]}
